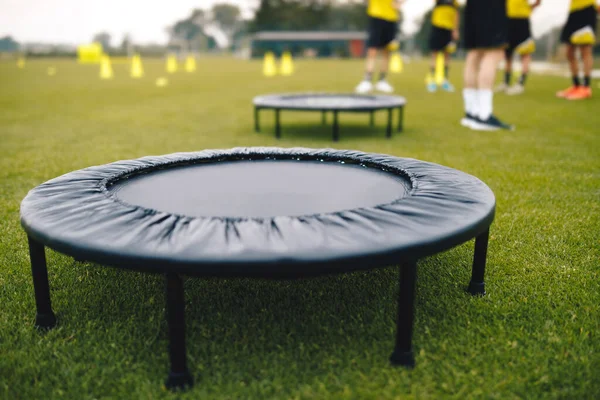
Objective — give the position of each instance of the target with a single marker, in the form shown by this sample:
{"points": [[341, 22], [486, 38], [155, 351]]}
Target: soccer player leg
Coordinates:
{"points": [[388, 35], [505, 84], [373, 44], [486, 30], [525, 46], [573, 35], [584, 38], [470, 92]]}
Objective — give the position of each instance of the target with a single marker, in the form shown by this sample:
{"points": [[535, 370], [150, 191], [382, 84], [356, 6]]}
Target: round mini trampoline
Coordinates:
{"points": [[257, 212], [334, 103]]}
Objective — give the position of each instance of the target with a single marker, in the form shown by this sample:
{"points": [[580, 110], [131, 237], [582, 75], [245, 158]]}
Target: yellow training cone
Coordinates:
{"points": [[106, 71], [137, 70], [162, 82], [396, 63], [269, 68], [287, 65], [171, 64], [51, 71], [190, 64], [21, 62], [440, 62]]}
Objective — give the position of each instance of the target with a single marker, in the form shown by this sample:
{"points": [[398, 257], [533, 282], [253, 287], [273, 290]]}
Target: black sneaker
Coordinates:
{"points": [[468, 120], [490, 124]]}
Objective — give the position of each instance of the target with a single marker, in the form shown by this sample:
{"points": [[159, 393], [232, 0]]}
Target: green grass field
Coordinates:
{"points": [[534, 336]]}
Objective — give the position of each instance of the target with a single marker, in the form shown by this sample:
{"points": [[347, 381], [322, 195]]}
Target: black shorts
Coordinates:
{"points": [[577, 20], [486, 24], [519, 30], [381, 32], [439, 38]]}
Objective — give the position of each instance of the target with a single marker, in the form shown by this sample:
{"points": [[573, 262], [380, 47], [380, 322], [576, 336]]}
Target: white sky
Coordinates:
{"points": [[76, 21]]}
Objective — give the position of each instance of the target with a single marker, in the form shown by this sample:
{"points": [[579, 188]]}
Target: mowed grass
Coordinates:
{"points": [[534, 336]]}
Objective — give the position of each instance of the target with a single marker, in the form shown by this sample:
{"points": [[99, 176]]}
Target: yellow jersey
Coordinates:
{"points": [[518, 9], [577, 5], [444, 14], [383, 9]]}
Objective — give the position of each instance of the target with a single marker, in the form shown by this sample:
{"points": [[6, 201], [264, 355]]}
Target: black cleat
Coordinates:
{"points": [[490, 124]]}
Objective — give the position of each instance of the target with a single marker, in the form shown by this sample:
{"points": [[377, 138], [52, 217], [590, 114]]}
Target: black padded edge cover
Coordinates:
{"points": [[77, 215], [295, 101]]}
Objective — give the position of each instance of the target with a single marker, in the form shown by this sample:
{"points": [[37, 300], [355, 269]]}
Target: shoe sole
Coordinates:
{"points": [[488, 128], [466, 122], [579, 98], [482, 127]]}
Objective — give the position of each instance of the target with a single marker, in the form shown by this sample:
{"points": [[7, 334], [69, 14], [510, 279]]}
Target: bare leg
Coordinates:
{"points": [[526, 61], [472, 66], [371, 59], [489, 65], [572, 60], [433, 60], [485, 82], [509, 65], [385, 61], [471, 71], [366, 84], [588, 60]]}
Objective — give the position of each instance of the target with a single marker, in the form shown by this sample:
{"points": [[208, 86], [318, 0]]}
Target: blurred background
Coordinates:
{"points": [[246, 28]]}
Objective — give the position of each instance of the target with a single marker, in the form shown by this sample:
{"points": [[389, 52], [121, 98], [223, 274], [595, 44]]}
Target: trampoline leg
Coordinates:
{"points": [[336, 134], [372, 119], [403, 354], [179, 376], [256, 120], [400, 119], [477, 285], [44, 317], [323, 118], [388, 132], [277, 126]]}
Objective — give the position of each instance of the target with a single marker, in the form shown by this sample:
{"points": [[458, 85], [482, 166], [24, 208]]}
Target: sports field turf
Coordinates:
{"points": [[534, 336]]}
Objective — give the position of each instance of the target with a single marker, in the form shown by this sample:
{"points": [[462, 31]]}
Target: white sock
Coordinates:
{"points": [[471, 103], [486, 103]]}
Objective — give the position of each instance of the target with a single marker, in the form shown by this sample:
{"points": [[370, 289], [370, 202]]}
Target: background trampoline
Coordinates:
{"points": [[257, 212], [333, 103]]}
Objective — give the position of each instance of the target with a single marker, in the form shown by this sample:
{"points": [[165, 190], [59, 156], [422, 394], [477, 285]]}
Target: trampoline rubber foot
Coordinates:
{"points": [[476, 288], [179, 381], [45, 320], [403, 359]]}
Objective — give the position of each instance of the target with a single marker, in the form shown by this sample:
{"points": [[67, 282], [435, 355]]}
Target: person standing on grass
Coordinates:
{"points": [[383, 27], [486, 37], [519, 40], [445, 20], [579, 33]]}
